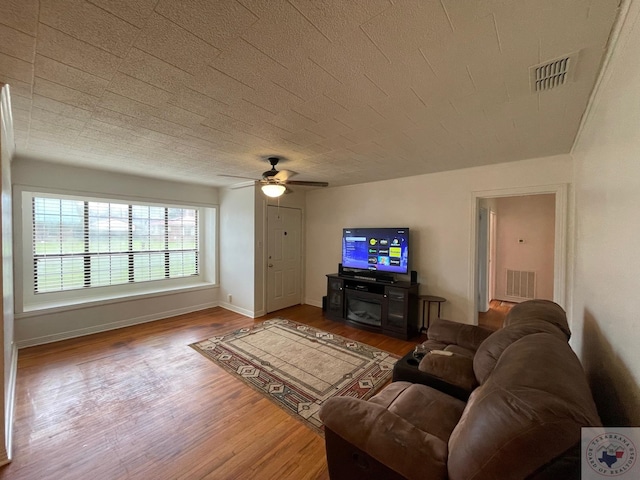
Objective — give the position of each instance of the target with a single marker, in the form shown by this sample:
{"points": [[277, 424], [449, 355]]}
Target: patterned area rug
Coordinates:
{"points": [[300, 367]]}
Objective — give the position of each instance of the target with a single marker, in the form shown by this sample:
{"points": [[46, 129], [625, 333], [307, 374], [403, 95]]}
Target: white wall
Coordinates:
{"points": [[437, 209], [41, 327], [607, 254], [530, 218], [237, 249]]}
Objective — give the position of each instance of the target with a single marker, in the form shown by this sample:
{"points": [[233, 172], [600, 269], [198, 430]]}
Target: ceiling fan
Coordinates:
{"points": [[274, 183]]}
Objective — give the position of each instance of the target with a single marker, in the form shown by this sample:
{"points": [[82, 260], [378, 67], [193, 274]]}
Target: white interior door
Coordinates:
{"points": [[284, 249]]}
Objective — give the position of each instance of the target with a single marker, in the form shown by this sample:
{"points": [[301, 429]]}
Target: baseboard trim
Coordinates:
{"points": [[241, 311], [113, 325], [313, 303]]}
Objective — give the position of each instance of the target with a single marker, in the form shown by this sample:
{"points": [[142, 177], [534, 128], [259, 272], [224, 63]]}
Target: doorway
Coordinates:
{"points": [[284, 261], [480, 239]]}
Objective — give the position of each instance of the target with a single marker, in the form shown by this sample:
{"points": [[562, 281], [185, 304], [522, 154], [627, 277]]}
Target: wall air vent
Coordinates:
{"points": [[551, 74], [521, 284]]}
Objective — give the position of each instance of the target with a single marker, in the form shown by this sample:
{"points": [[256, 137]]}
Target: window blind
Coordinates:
{"points": [[79, 243]]}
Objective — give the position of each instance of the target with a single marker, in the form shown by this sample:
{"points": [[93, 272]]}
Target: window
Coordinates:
{"points": [[80, 247]]}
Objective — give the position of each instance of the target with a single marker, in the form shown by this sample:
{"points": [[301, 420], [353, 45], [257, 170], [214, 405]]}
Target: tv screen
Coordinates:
{"points": [[380, 249]]}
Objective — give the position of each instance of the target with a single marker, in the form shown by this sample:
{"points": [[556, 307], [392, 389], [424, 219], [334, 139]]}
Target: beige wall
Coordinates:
{"points": [[530, 219], [436, 207], [607, 254]]}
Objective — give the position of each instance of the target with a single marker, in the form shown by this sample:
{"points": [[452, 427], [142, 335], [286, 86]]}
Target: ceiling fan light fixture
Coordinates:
{"points": [[273, 190]]}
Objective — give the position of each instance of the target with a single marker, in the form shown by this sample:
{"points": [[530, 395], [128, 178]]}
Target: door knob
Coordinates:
{"points": [[270, 265]]}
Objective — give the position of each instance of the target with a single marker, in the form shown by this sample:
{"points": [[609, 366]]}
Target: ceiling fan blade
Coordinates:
{"points": [[242, 184], [283, 175], [308, 184], [233, 176]]}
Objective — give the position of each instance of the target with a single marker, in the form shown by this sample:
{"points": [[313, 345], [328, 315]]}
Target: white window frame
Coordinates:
{"points": [[204, 279]]}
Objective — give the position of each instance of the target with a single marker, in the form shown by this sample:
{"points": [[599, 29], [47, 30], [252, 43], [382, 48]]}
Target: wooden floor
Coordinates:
{"points": [[138, 403], [494, 317]]}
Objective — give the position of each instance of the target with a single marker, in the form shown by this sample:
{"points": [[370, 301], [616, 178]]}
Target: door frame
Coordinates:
{"points": [[266, 254], [483, 259], [560, 242], [493, 219]]}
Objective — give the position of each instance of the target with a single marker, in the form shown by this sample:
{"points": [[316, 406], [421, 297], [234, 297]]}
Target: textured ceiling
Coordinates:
{"points": [[346, 91]]}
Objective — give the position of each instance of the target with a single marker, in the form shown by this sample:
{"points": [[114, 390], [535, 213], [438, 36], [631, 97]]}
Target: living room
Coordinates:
{"points": [[598, 175]]}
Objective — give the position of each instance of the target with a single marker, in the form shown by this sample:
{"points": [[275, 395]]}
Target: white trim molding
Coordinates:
{"points": [[242, 311], [10, 397], [9, 350]]}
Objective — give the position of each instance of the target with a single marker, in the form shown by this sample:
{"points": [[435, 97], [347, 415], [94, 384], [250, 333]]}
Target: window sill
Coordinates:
{"points": [[66, 305]]}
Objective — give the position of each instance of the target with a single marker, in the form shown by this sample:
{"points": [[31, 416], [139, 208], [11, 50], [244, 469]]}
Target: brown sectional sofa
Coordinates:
{"points": [[455, 374], [522, 419]]}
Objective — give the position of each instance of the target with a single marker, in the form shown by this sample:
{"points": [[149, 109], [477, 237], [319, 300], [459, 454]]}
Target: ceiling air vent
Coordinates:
{"points": [[552, 74]]}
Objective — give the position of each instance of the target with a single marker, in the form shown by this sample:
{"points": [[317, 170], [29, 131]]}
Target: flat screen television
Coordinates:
{"points": [[376, 249]]}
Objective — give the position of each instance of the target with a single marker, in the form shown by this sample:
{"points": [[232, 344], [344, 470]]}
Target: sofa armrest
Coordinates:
{"points": [[454, 369], [467, 336], [386, 437]]}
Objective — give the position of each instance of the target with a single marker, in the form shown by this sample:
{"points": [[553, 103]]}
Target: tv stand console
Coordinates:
{"points": [[377, 306]]}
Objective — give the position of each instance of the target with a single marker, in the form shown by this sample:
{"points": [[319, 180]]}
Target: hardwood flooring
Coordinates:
{"points": [[138, 403], [494, 317]]}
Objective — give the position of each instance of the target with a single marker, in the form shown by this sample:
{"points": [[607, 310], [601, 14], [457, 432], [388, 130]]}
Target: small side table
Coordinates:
{"points": [[427, 300]]}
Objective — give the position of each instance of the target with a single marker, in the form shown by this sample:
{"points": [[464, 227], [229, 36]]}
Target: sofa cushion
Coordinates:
{"points": [[434, 345], [386, 437], [492, 348], [424, 407], [453, 348], [454, 369], [459, 351], [407, 370], [539, 310], [466, 336], [529, 411]]}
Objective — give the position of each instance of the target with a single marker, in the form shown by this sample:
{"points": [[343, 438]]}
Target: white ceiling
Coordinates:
{"points": [[346, 91]]}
